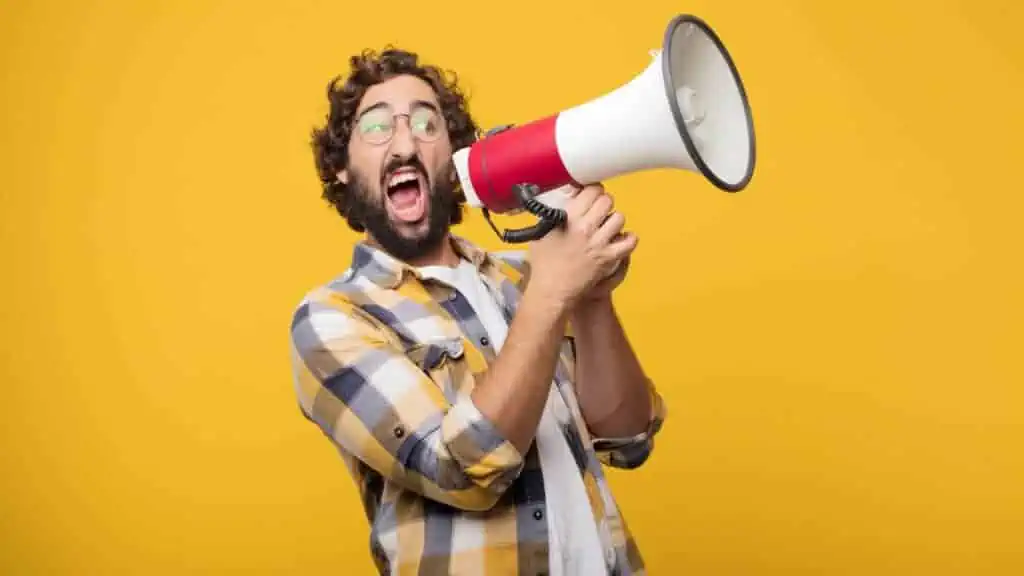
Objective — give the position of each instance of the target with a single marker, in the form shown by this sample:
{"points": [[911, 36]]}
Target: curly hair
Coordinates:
{"points": [[330, 141]]}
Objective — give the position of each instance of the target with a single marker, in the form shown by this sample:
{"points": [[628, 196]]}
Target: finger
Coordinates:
{"points": [[609, 229], [622, 246], [597, 213], [623, 266], [603, 204], [620, 269], [580, 202]]}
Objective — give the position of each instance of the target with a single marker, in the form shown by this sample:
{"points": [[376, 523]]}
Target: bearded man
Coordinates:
{"points": [[474, 396]]}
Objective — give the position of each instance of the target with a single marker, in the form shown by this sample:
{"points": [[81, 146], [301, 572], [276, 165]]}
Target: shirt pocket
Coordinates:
{"points": [[443, 361]]}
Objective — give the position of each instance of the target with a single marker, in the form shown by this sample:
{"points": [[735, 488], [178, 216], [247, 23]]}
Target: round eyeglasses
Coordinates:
{"points": [[377, 125]]}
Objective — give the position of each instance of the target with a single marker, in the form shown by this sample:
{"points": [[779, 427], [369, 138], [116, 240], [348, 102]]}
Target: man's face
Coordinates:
{"points": [[400, 172]]}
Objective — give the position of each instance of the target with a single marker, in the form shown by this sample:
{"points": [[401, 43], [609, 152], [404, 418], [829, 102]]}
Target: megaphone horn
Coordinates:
{"points": [[687, 110]]}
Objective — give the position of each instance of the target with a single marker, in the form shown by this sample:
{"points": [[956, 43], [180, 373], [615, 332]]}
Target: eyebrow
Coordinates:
{"points": [[382, 104]]}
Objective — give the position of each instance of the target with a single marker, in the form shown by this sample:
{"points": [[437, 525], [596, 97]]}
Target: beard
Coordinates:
{"points": [[367, 209]]}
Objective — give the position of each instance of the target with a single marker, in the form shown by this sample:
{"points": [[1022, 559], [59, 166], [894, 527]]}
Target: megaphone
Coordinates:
{"points": [[687, 110]]}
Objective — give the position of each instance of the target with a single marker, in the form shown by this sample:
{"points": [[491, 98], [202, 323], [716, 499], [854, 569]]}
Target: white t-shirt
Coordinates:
{"points": [[574, 542]]}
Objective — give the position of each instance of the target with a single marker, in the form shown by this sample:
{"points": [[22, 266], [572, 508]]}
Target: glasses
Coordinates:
{"points": [[377, 125]]}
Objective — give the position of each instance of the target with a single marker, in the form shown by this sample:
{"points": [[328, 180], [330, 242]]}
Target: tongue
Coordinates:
{"points": [[405, 196], [406, 202]]}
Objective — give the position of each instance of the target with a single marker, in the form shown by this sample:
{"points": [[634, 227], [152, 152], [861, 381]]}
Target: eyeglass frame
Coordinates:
{"points": [[417, 106]]}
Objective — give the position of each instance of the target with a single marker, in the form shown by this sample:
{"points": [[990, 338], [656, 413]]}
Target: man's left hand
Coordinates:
{"points": [[603, 290]]}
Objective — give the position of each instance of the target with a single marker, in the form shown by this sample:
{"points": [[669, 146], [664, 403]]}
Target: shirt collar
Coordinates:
{"points": [[387, 271]]}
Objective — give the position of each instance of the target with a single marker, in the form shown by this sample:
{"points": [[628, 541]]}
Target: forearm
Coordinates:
{"points": [[611, 385], [384, 408], [515, 388]]}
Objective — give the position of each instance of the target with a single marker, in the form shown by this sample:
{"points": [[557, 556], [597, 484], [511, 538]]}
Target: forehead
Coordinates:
{"points": [[400, 93]]}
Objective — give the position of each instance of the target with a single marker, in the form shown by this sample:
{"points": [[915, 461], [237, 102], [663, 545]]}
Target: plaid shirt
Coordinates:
{"points": [[384, 362]]}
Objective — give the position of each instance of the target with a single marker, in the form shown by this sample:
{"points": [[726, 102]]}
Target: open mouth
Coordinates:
{"points": [[406, 194]]}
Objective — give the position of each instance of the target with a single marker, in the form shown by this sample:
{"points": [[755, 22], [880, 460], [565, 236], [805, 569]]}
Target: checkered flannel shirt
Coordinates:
{"points": [[384, 362]]}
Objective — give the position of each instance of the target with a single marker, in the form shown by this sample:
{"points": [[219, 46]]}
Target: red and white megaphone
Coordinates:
{"points": [[687, 110]]}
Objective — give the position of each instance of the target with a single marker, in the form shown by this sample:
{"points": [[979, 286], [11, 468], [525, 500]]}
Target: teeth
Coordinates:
{"points": [[401, 178]]}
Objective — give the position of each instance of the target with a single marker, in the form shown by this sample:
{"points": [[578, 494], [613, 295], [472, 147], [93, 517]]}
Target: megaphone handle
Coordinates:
{"points": [[549, 218]]}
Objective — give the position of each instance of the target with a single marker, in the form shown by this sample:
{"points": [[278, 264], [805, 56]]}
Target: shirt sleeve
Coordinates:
{"points": [[632, 451], [375, 403]]}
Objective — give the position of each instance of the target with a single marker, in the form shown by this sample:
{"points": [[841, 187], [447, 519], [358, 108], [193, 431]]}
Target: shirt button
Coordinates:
{"points": [[609, 556], [538, 514], [399, 432], [485, 341]]}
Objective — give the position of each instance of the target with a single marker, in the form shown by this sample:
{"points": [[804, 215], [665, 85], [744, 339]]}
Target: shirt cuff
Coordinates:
{"points": [[632, 451], [488, 458]]}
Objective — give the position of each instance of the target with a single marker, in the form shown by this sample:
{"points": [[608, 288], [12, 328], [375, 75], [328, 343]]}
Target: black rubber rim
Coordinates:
{"points": [[677, 114]]}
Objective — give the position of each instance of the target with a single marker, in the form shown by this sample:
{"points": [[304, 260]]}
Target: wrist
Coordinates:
{"points": [[548, 303], [588, 309]]}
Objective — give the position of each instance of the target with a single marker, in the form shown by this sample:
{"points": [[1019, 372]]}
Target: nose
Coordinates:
{"points": [[403, 143]]}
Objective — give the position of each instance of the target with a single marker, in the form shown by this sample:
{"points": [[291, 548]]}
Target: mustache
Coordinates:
{"points": [[398, 163]]}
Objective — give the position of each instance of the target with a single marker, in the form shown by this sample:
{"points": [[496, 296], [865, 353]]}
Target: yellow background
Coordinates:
{"points": [[839, 344]]}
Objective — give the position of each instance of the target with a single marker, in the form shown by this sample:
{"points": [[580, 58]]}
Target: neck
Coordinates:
{"points": [[443, 255]]}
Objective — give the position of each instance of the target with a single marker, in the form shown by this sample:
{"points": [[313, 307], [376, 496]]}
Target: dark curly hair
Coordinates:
{"points": [[330, 141]]}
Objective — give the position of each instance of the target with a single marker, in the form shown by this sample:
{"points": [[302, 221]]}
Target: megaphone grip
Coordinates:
{"points": [[549, 217]]}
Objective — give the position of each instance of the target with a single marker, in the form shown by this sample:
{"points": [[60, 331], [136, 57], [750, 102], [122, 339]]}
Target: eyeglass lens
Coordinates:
{"points": [[378, 125]]}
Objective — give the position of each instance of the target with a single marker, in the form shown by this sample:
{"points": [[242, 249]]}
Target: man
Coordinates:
{"points": [[474, 396]]}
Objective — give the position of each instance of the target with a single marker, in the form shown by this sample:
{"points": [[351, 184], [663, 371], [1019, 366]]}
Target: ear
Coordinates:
{"points": [[343, 177]]}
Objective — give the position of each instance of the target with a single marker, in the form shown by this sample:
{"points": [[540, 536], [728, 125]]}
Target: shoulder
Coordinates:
{"points": [[330, 311]]}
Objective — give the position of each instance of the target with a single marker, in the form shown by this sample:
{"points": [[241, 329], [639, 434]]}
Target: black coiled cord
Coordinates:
{"points": [[550, 218]]}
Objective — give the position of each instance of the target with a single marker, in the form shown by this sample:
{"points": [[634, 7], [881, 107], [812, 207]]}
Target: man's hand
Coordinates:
{"points": [[584, 258], [603, 289]]}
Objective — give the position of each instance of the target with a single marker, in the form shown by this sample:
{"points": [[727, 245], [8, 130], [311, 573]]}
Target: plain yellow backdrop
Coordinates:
{"points": [[839, 344]]}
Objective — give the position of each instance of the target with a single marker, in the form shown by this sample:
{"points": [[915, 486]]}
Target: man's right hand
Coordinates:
{"points": [[571, 260]]}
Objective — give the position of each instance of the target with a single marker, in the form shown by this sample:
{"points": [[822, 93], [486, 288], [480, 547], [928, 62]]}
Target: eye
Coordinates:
{"points": [[425, 121], [370, 127], [374, 123]]}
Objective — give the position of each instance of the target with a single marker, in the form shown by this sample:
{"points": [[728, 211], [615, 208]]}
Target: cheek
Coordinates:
{"points": [[367, 165], [440, 158]]}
